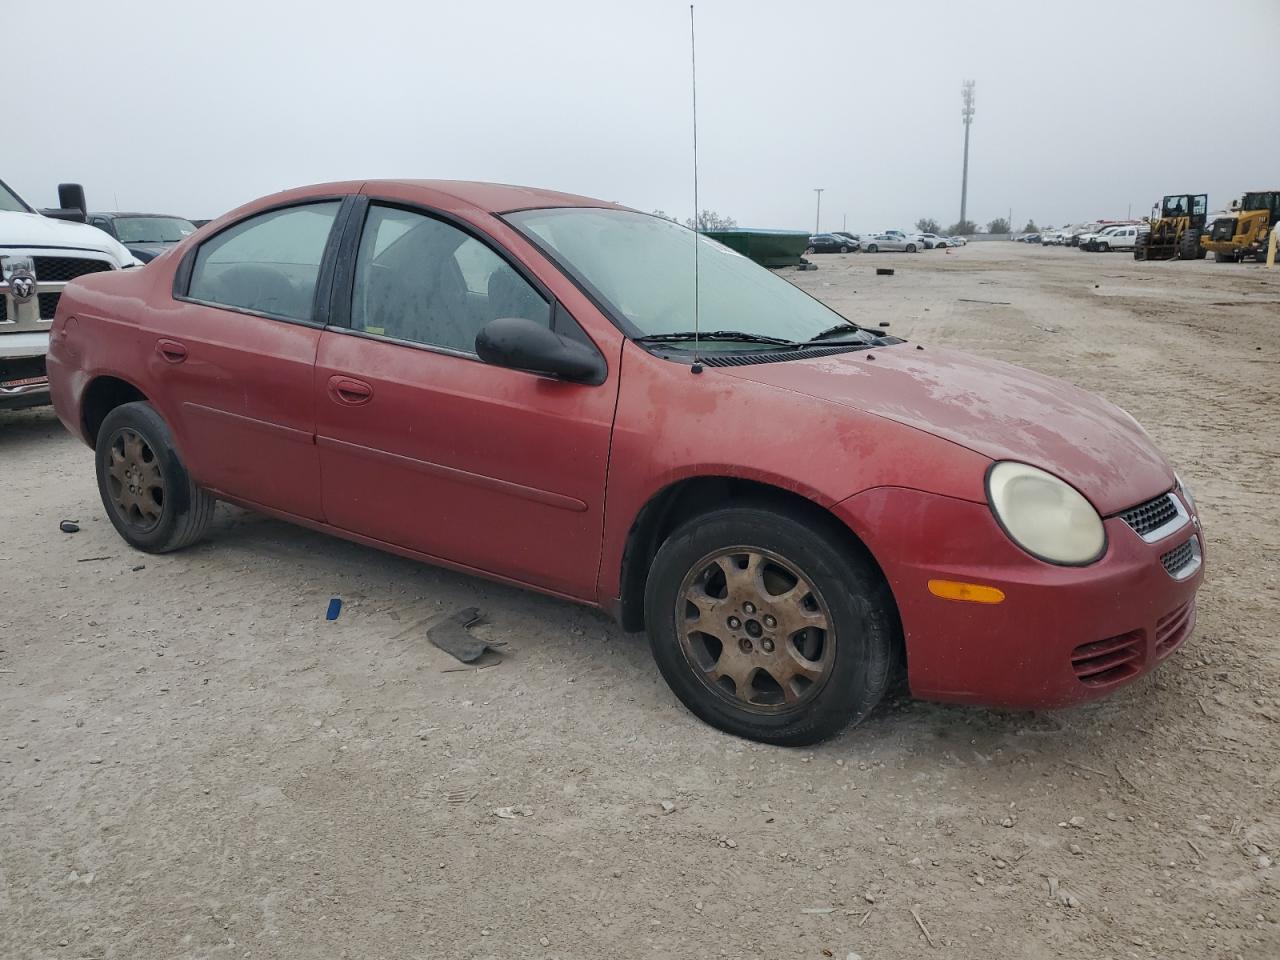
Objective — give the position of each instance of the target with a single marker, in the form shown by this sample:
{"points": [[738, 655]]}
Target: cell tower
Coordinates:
{"points": [[966, 93]]}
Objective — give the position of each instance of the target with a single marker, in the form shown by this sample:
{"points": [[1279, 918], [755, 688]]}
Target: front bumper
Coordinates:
{"points": [[1062, 635], [23, 378]]}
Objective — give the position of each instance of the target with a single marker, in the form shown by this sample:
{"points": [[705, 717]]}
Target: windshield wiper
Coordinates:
{"points": [[837, 330], [730, 335]]}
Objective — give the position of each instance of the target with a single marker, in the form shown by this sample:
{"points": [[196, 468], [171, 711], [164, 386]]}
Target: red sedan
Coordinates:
{"points": [[506, 381]]}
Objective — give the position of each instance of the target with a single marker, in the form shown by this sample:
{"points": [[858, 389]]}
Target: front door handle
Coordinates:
{"points": [[171, 350], [349, 390]]}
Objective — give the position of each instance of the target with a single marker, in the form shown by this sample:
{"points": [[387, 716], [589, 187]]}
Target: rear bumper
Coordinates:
{"points": [[1062, 635]]}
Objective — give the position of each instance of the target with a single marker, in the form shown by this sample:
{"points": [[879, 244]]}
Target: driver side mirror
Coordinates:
{"points": [[523, 344]]}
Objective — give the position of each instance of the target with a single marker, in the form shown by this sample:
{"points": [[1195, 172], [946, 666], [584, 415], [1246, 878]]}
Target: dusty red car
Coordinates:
{"points": [[505, 381]]}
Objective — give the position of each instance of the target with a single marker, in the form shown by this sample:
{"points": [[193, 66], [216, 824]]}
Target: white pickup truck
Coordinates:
{"points": [[39, 254]]}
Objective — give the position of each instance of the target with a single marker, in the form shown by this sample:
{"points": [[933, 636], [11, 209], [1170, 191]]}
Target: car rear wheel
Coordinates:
{"points": [[768, 627], [873, 249], [911, 248], [149, 496], [844, 249], [1104, 248]]}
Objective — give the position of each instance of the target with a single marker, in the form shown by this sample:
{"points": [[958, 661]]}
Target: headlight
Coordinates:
{"points": [[1044, 515], [1186, 491]]}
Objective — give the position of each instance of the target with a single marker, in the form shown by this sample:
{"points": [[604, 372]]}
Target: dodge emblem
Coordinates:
{"points": [[19, 273], [22, 286]]}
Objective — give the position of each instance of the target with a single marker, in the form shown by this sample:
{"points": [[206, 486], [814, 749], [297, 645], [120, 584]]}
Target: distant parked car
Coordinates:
{"points": [[958, 241], [1052, 238], [1031, 238], [853, 238], [1113, 238], [829, 243], [146, 235], [931, 240], [883, 242]]}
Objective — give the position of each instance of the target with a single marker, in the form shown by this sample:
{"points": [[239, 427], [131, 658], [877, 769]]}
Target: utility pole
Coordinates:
{"points": [[817, 219], [966, 93]]}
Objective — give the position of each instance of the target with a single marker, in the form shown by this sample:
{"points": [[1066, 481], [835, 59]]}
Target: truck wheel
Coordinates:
{"points": [[149, 497], [1140, 250], [767, 626], [1104, 248], [1220, 257], [1189, 247]]}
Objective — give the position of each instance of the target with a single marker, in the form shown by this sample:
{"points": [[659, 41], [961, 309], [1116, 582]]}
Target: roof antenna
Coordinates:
{"points": [[693, 74]]}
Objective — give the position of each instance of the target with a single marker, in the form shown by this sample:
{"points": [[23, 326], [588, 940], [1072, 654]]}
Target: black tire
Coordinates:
{"points": [[844, 249], [182, 510], [873, 249], [911, 248], [1261, 255], [846, 588], [1104, 248], [1220, 257], [1140, 249], [1189, 246]]}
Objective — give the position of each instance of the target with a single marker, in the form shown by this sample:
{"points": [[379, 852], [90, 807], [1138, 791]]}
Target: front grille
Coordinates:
{"points": [[1104, 662], [1223, 229], [1177, 560], [1173, 628], [62, 269], [1151, 515], [49, 305]]}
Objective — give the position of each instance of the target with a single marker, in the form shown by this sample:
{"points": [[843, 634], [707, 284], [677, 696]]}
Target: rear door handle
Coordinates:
{"points": [[349, 390], [171, 350]]}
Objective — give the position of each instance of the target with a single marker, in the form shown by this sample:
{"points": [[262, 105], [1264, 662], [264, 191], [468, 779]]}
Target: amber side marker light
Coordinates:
{"points": [[973, 592]]}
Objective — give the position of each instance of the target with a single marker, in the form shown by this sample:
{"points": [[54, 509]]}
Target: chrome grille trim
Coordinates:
{"points": [[1183, 561], [1166, 512]]}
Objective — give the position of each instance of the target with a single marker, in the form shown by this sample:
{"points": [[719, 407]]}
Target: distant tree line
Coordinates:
{"points": [[999, 225], [707, 220]]}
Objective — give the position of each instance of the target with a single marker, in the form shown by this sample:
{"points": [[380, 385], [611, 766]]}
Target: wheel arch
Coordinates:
{"points": [[103, 394], [686, 498]]}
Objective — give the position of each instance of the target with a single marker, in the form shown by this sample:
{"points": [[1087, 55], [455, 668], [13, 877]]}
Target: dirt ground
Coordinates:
{"points": [[194, 763]]}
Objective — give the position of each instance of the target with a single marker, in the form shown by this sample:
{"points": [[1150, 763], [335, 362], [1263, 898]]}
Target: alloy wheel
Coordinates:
{"points": [[135, 482], [755, 630]]}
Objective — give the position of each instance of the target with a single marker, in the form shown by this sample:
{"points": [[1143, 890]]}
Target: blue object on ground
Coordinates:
{"points": [[335, 608]]}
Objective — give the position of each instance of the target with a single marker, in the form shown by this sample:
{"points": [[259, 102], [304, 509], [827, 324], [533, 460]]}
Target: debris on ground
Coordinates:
{"points": [[335, 608], [884, 271], [511, 813], [69, 526], [453, 636]]}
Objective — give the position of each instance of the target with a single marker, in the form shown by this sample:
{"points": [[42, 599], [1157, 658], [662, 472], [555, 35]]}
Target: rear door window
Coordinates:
{"points": [[266, 264]]}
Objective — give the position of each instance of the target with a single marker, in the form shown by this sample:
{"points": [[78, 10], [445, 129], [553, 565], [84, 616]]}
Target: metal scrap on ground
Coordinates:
{"points": [[453, 636]]}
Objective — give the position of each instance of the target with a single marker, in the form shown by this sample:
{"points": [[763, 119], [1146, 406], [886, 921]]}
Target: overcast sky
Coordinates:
{"points": [[1083, 107]]}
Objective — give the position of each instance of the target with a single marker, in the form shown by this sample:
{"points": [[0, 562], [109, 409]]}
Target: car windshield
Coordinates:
{"points": [[11, 202], [153, 229], [641, 268]]}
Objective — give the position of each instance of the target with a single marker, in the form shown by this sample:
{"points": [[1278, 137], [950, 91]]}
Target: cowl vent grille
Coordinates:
{"points": [[776, 356]]}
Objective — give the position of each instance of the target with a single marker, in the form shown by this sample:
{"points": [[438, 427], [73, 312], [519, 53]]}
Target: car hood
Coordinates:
{"points": [[146, 252], [996, 409], [34, 230]]}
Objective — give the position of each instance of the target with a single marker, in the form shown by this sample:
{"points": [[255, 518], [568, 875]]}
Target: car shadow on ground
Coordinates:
{"points": [[23, 430], [929, 733]]}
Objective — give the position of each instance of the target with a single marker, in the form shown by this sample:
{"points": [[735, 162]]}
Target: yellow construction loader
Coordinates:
{"points": [[1176, 232], [1244, 233]]}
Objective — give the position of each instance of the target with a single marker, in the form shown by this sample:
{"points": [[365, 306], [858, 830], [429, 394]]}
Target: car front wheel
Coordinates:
{"points": [[873, 249], [769, 626], [149, 496], [911, 248]]}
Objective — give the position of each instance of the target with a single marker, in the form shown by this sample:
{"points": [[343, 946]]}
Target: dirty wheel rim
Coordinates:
{"points": [[754, 630], [135, 481]]}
